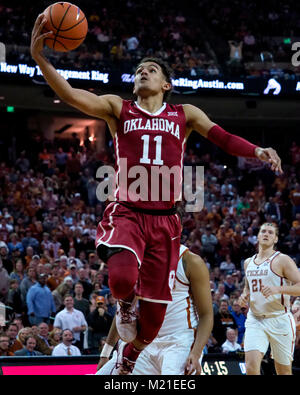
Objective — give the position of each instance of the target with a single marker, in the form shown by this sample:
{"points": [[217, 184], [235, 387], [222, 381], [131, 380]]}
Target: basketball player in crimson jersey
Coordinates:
{"points": [[140, 240], [270, 278]]}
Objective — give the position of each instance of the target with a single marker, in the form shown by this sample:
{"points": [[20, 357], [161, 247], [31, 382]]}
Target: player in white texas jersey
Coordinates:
{"points": [[262, 274], [270, 279], [178, 347]]}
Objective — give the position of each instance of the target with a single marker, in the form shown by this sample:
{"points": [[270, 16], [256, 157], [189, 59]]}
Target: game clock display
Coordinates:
{"points": [[230, 365]]}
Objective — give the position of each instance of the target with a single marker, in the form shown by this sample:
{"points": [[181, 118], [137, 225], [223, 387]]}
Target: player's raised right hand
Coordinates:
{"points": [[243, 300], [37, 37]]}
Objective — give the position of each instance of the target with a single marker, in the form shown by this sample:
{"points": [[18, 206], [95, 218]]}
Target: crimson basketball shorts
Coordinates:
{"points": [[153, 239]]}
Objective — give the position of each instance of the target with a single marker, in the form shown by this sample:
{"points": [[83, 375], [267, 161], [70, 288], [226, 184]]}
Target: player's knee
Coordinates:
{"points": [[252, 367], [121, 287], [122, 273], [253, 362], [283, 370]]}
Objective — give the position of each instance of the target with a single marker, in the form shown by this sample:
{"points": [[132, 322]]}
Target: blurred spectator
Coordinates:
{"points": [[72, 319], [295, 153], [73, 167], [132, 44], [4, 283], [22, 163], [230, 345], [99, 322], [65, 347], [29, 241], [4, 345], [18, 271], [235, 55], [24, 333], [29, 256], [15, 244], [249, 39], [73, 273], [42, 339], [220, 293], [19, 322], [111, 305], [46, 243], [222, 320], [93, 261], [29, 349], [209, 243], [229, 285], [12, 333], [272, 208], [252, 238], [59, 293], [240, 317], [247, 249], [295, 199], [61, 159], [73, 260], [86, 244], [93, 298], [81, 303], [40, 302], [291, 245], [227, 265], [84, 280], [101, 289], [14, 299], [55, 337], [44, 160], [54, 280], [7, 263]]}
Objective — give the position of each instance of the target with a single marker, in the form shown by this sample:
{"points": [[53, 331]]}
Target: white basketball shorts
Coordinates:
{"points": [[279, 332]]}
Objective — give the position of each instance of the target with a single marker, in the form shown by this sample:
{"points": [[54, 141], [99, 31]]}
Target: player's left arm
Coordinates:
{"points": [[110, 342], [198, 276], [291, 273], [234, 145]]}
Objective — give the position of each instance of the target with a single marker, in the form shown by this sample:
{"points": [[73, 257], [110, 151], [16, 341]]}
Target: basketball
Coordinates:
{"points": [[69, 26]]}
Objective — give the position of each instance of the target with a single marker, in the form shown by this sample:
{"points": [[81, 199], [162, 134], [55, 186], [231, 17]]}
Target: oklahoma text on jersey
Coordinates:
{"points": [[163, 125]]}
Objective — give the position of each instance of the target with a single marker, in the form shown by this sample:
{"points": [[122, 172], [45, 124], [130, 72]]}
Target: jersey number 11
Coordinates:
{"points": [[145, 159]]}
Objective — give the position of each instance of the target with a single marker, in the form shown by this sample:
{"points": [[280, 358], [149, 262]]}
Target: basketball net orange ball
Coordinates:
{"points": [[68, 24]]}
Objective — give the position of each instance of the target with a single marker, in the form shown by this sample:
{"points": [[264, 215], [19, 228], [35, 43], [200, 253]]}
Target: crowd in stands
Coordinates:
{"points": [[200, 39], [51, 279]]}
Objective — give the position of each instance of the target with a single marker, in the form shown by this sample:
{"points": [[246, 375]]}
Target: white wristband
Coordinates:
{"points": [[106, 351]]}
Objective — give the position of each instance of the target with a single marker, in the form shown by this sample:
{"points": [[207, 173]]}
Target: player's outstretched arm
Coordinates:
{"points": [[198, 276], [244, 297], [234, 145], [111, 341], [105, 107]]}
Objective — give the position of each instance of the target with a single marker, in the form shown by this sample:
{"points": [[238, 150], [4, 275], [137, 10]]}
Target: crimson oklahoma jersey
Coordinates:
{"points": [[149, 156]]}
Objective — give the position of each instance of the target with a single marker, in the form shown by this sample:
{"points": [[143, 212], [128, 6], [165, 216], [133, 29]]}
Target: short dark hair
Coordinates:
{"points": [[167, 72], [29, 337], [68, 296]]}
